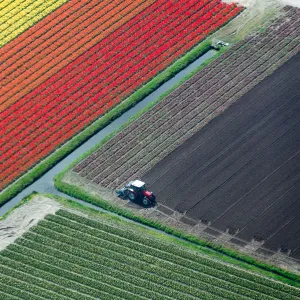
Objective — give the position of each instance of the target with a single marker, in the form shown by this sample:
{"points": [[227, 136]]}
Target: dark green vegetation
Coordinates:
{"points": [[75, 142], [226, 254], [71, 256]]}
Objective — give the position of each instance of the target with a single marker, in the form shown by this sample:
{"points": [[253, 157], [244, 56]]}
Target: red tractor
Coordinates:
{"points": [[136, 191]]}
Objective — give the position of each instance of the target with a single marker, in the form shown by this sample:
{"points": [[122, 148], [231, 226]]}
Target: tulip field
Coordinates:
{"points": [[17, 16], [82, 59], [70, 256]]}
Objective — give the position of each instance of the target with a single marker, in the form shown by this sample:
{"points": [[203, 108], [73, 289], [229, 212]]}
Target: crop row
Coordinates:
{"points": [[203, 281], [33, 129], [110, 50], [128, 272], [98, 229], [122, 70], [45, 284], [207, 93], [111, 146], [57, 52], [18, 16], [75, 71], [164, 259], [129, 262], [155, 115], [199, 104]]}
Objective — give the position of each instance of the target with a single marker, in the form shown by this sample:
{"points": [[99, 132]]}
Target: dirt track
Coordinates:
{"points": [[24, 217], [241, 173]]}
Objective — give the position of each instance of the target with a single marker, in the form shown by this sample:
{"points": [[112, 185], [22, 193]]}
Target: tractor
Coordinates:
{"points": [[136, 192]]}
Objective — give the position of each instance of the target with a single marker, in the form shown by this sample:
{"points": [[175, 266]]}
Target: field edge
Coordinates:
{"points": [[240, 259], [41, 168]]}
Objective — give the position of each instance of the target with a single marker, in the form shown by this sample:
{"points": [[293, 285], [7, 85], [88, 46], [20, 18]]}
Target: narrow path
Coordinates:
{"points": [[46, 184]]}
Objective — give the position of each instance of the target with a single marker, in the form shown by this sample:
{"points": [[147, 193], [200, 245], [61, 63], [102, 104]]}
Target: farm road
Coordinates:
{"points": [[241, 172]]}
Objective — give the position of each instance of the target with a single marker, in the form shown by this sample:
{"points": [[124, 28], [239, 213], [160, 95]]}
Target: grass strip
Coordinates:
{"points": [[225, 254], [45, 165]]}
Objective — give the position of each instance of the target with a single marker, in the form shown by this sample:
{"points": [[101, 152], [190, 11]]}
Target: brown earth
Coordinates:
{"points": [[147, 141]]}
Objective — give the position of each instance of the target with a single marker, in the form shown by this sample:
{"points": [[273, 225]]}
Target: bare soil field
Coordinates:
{"points": [[241, 173], [134, 151], [145, 142]]}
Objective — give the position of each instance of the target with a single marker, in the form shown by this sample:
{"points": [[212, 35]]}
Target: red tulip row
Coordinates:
{"points": [[149, 47]]}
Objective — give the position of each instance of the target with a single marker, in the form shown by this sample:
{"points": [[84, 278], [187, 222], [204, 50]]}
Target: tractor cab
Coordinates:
{"points": [[136, 191]]}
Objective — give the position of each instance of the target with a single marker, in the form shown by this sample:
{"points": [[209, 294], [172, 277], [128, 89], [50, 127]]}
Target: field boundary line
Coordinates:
{"points": [[42, 167]]}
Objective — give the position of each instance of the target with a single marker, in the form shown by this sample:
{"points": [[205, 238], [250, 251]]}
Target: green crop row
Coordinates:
{"points": [[97, 262], [40, 283], [81, 283], [184, 258], [91, 270], [108, 266], [175, 277], [19, 285], [204, 281], [166, 247], [88, 242], [7, 293]]}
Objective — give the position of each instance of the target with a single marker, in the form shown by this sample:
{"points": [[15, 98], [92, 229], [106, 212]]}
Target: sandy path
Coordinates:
{"points": [[24, 217]]}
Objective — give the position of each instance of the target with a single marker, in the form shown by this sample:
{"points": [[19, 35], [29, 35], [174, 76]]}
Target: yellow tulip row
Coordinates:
{"points": [[18, 16], [13, 12]]}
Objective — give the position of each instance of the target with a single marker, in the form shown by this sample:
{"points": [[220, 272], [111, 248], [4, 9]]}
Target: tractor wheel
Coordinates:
{"points": [[131, 195], [146, 201]]}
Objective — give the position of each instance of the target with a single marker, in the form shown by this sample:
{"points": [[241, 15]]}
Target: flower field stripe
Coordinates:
{"points": [[24, 40], [86, 63], [67, 52], [62, 32], [105, 73], [81, 63], [113, 234], [88, 22], [18, 16], [167, 62], [6, 114]]}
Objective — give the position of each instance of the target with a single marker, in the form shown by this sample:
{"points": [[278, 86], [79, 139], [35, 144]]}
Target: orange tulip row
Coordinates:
{"points": [[57, 54]]}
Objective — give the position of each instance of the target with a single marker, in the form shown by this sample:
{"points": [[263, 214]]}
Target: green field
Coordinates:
{"points": [[72, 256]]}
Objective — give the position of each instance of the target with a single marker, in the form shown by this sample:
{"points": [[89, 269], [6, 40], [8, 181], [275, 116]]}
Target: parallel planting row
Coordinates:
{"points": [[135, 150], [68, 256], [37, 116], [19, 15]]}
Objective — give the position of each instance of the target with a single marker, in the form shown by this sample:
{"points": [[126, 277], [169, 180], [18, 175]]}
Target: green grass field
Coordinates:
{"points": [[71, 256]]}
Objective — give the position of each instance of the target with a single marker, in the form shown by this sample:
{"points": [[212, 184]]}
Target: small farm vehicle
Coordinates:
{"points": [[136, 191]]}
